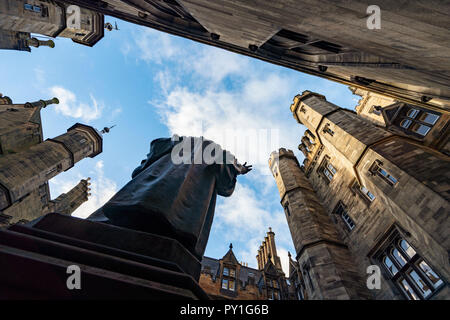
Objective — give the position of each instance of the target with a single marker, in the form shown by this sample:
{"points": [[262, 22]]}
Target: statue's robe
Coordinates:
{"points": [[175, 200]]}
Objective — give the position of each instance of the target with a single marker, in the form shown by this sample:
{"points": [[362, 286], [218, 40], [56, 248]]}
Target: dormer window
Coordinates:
{"points": [[229, 279], [414, 120]]}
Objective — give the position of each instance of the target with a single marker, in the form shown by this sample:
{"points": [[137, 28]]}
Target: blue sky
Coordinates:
{"points": [[151, 84]]}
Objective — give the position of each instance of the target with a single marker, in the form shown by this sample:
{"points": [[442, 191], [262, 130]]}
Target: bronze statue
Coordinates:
{"points": [[173, 192]]}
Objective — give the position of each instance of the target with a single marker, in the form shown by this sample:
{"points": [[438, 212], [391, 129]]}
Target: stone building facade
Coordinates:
{"points": [[27, 162], [20, 18], [227, 278], [374, 185], [405, 59]]}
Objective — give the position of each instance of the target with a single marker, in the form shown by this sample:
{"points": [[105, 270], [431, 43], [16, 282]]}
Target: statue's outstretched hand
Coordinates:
{"points": [[242, 168]]}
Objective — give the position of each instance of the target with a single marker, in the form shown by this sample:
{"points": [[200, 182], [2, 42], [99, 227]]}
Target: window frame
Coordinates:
{"points": [[286, 209], [326, 129], [269, 281], [404, 271], [415, 117], [358, 189], [377, 167], [324, 166], [341, 209], [227, 276]]}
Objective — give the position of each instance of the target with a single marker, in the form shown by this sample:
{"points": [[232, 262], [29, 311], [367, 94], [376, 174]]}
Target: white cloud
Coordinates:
{"points": [[102, 189], [247, 215], [215, 64], [154, 46], [283, 254], [69, 106], [237, 120], [165, 80], [39, 74]]}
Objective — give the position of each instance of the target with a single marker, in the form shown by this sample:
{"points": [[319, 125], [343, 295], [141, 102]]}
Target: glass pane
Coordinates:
{"points": [[398, 257], [332, 169], [405, 123], [421, 129], [412, 113], [231, 285], [328, 174], [28, 6], [407, 248], [275, 284], [277, 296], [225, 284], [421, 284], [36, 9], [434, 278], [384, 173], [225, 271], [408, 290], [232, 272], [348, 220], [392, 179], [430, 118], [390, 265], [370, 196]]}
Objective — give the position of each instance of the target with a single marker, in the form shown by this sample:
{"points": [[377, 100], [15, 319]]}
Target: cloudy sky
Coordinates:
{"points": [[151, 84]]}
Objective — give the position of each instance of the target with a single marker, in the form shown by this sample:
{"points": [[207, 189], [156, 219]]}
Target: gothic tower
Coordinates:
{"points": [[376, 182], [27, 162], [323, 257]]}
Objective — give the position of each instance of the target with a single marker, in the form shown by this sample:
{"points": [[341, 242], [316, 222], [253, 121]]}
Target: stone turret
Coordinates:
{"points": [[27, 162], [67, 203], [324, 259], [23, 172]]}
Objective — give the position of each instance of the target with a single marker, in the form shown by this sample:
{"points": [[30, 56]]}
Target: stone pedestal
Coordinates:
{"points": [[115, 263]]}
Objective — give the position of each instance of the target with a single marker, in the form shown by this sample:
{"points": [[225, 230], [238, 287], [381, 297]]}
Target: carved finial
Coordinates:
{"points": [[270, 229], [34, 42], [41, 103], [106, 129], [231, 246], [289, 254]]}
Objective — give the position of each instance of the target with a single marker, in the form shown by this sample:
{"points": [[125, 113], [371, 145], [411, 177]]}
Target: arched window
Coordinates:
{"points": [[406, 248], [398, 256], [407, 269], [405, 123], [390, 265], [431, 275]]}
